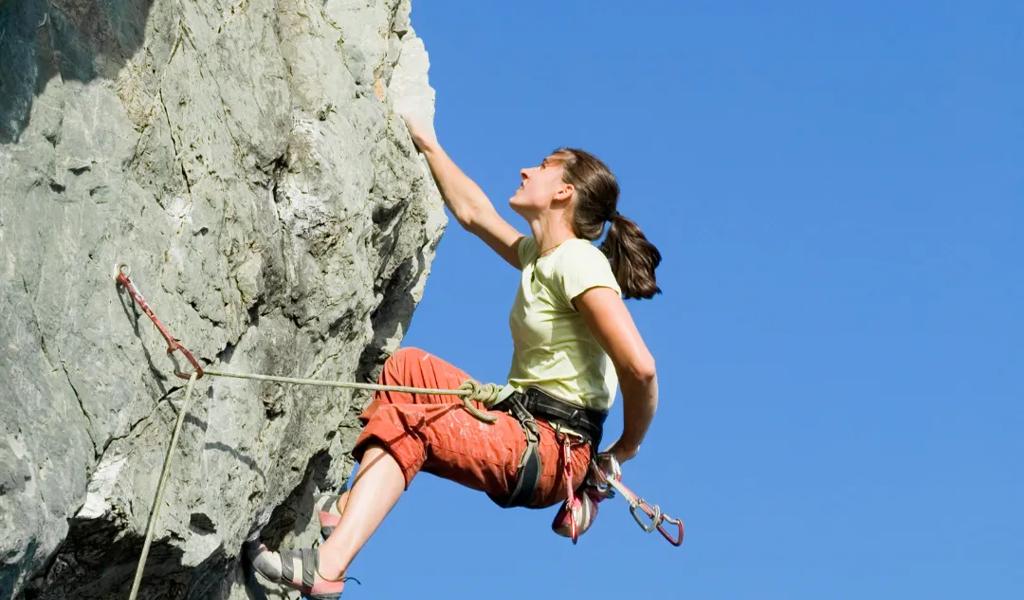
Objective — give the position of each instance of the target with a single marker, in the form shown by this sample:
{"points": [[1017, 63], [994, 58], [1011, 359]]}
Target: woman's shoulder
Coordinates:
{"points": [[583, 265], [579, 249]]}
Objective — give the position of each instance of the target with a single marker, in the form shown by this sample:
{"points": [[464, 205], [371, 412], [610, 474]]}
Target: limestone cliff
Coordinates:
{"points": [[243, 157]]}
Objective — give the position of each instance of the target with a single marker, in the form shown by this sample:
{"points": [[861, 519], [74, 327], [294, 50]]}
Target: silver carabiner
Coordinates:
{"points": [[654, 514]]}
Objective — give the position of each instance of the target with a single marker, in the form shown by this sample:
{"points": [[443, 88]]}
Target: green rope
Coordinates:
{"points": [[154, 513], [485, 393], [470, 390]]}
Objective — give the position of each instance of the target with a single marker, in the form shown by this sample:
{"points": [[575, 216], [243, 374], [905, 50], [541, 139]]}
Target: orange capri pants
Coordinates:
{"points": [[436, 434]]}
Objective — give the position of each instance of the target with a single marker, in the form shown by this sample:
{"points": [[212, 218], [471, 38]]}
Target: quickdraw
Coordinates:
{"points": [[173, 344], [606, 477], [572, 502]]}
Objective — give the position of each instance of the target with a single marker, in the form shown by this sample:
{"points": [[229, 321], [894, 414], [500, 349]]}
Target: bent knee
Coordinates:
{"points": [[405, 355], [395, 365]]}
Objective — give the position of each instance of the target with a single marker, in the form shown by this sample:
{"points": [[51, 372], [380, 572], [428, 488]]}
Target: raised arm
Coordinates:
{"points": [[468, 203], [609, 320]]}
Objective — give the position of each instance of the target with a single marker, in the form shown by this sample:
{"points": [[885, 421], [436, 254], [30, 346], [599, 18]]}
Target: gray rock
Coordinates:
{"points": [[244, 159]]}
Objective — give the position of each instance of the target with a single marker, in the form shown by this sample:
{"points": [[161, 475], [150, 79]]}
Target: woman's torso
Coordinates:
{"points": [[553, 349]]}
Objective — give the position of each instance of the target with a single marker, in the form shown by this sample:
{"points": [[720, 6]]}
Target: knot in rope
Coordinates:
{"points": [[484, 393]]}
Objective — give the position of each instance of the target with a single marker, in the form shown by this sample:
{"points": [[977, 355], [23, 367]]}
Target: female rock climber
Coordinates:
{"points": [[574, 344]]}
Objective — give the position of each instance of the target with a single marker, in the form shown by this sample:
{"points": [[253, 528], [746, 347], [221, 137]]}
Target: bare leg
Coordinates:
{"points": [[338, 507], [377, 487], [342, 501]]}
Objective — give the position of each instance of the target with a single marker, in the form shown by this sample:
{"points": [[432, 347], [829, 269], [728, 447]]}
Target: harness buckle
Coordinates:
{"points": [[524, 417]]}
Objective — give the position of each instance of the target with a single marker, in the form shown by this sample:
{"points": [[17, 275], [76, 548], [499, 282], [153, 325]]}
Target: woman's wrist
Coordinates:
{"points": [[427, 145], [623, 452], [422, 136]]}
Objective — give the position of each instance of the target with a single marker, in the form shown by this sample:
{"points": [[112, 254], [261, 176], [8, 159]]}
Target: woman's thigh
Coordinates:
{"points": [[482, 456], [450, 442], [414, 367], [486, 457]]}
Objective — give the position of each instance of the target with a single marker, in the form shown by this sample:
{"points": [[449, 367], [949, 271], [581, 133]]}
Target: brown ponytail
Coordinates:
{"points": [[633, 258]]}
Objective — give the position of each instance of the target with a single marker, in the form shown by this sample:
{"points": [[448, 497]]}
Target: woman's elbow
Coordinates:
{"points": [[642, 370], [463, 218]]}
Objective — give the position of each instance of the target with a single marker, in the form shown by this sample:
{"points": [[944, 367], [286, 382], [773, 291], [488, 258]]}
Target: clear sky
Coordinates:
{"points": [[837, 189]]}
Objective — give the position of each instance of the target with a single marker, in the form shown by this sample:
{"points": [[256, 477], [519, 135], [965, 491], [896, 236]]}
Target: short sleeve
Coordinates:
{"points": [[584, 266], [527, 250]]}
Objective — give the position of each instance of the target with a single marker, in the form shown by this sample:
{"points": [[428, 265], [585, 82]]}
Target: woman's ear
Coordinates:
{"points": [[565, 192]]}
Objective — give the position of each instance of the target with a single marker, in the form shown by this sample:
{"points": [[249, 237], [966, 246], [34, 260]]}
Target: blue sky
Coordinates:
{"points": [[837, 190]]}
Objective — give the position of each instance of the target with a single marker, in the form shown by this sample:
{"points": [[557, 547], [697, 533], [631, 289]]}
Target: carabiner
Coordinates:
{"points": [[188, 356], [654, 514], [675, 541], [603, 470]]}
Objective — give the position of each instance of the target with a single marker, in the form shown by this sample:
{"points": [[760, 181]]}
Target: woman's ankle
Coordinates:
{"points": [[340, 577], [329, 567]]}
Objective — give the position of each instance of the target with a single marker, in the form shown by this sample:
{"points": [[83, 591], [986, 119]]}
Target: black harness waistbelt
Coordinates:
{"points": [[589, 423], [534, 404]]}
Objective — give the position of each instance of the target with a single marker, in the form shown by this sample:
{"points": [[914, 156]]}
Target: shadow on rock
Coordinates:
{"points": [[75, 40]]}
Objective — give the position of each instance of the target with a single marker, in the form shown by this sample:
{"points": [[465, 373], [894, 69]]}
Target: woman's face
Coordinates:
{"points": [[539, 186]]}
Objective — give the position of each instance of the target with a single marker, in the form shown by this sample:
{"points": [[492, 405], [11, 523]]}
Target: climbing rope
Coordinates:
{"points": [[164, 472], [471, 390]]}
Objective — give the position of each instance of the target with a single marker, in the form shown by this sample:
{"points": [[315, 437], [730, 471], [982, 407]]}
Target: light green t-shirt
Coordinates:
{"points": [[553, 347]]}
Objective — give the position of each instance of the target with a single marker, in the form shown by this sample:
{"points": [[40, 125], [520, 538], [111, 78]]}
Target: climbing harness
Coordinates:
{"points": [[528, 405], [524, 406], [589, 423]]}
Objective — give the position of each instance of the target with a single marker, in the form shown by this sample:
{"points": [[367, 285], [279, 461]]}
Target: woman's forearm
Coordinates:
{"points": [[639, 403], [462, 195]]}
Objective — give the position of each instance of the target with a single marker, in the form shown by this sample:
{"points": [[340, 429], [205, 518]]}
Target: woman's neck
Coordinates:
{"points": [[550, 233]]}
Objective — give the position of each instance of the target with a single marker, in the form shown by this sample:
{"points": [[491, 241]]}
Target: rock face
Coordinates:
{"points": [[243, 157]]}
